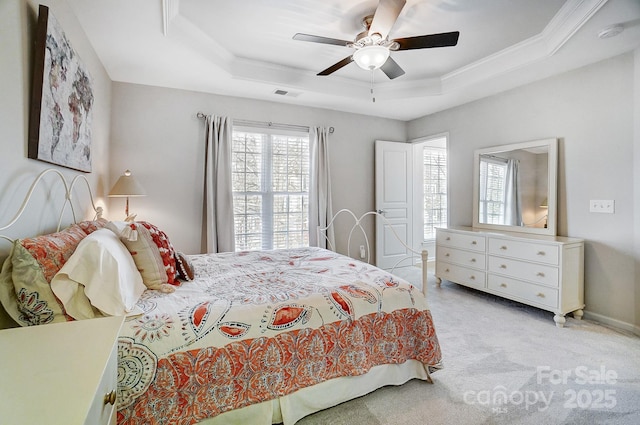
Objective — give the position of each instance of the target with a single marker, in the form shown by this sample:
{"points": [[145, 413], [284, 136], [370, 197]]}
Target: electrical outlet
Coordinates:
{"points": [[602, 206], [362, 252]]}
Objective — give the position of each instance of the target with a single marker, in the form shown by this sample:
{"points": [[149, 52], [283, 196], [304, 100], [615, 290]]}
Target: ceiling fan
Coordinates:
{"points": [[373, 45]]}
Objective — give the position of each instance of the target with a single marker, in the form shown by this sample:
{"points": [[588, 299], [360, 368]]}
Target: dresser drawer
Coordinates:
{"points": [[530, 251], [537, 273], [462, 275], [464, 258], [520, 290], [464, 241]]}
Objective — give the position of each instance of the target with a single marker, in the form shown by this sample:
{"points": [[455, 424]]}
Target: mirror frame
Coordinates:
{"points": [[552, 146]]}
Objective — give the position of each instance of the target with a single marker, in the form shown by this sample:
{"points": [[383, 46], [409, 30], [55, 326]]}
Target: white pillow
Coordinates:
{"points": [[99, 275]]}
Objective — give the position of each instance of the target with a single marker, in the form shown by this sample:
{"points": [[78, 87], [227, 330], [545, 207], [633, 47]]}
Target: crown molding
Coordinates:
{"points": [[170, 9], [569, 19]]}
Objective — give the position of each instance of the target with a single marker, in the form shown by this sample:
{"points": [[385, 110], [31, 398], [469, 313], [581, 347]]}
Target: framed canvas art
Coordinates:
{"points": [[62, 100]]}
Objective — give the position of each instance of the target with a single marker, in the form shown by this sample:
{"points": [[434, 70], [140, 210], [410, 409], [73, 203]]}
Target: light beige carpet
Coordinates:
{"points": [[507, 363]]}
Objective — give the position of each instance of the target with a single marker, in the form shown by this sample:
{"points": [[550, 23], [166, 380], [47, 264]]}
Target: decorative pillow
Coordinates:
{"points": [[184, 267], [25, 293], [91, 226], [151, 251], [53, 250], [101, 274]]}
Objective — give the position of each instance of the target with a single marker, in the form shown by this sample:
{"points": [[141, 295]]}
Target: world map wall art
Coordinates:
{"points": [[62, 100]]}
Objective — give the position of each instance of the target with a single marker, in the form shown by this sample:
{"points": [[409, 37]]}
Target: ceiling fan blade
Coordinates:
{"points": [[386, 15], [318, 39], [333, 68], [392, 69], [444, 39]]}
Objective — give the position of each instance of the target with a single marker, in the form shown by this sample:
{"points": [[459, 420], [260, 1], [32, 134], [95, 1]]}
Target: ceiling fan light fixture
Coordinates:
{"points": [[371, 57]]}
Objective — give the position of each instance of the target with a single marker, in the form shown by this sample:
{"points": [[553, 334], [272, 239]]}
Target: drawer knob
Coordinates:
{"points": [[540, 274], [474, 243], [503, 266], [472, 277], [541, 253], [446, 255], [446, 270], [503, 285], [540, 294], [473, 260], [448, 238], [503, 247], [110, 397]]}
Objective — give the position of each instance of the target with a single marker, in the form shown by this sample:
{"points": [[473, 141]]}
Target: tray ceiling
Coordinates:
{"points": [[245, 48]]}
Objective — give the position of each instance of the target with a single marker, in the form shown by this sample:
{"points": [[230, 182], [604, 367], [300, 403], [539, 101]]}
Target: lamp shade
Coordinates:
{"points": [[371, 57], [127, 186]]}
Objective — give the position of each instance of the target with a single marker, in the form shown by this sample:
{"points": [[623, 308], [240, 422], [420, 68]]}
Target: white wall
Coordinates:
{"points": [[18, 19], [156, 134], [591, 111]]}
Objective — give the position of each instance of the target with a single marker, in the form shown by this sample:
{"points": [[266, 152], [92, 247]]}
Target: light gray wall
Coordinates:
{"points": [[636, 178], [18, 19], [156, 134], [591, 111]]}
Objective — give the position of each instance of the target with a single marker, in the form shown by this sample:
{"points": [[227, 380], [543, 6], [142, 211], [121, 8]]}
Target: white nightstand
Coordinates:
{"points": [[62, 373]]}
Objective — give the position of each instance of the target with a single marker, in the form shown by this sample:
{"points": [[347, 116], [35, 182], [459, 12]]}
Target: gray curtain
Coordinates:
{"points": [[220, 235], [320, 209], [512, 202]]}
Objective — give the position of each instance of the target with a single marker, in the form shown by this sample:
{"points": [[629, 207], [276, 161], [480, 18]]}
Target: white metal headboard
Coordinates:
{"points": [[322, 234], [68, 189]]}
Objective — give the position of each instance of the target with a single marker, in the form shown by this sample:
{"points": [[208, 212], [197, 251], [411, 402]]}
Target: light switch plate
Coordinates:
{"points": [[602, 206]]}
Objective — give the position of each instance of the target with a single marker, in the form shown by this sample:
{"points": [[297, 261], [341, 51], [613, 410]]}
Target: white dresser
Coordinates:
{"points": [[60, 374], [542, 271]]}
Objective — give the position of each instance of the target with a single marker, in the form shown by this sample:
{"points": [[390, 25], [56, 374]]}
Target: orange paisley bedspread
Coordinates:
{"points": [[256, 326]]}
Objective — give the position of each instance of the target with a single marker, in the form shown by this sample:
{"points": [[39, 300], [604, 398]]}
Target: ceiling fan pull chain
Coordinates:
{"points": [[373, 97]]}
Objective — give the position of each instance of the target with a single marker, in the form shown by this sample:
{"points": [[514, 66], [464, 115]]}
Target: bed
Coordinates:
{"points": [[256, 337]]}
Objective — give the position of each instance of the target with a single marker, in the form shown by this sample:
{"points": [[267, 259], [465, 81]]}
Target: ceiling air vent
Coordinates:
{"points": [[286, 93]]}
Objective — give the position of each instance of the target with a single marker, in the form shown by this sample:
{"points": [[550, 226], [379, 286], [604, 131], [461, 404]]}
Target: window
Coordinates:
{"points": [[434, 160], [492, 190], [270, 176]]}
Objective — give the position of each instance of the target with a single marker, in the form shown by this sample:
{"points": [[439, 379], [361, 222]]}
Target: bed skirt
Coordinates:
{"points": [[289, 409]]}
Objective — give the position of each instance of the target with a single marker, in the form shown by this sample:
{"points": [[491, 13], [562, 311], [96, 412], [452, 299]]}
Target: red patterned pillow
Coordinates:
{"points": [[91, 226], [53, 250], [151, 251]]}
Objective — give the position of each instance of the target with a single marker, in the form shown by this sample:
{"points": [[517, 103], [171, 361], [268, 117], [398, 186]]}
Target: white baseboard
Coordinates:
{"points": [[614, 323]]}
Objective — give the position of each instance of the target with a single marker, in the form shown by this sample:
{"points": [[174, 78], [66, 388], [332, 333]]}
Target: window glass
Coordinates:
{"points": [[270, 179], [435, 189], [492, 191]]}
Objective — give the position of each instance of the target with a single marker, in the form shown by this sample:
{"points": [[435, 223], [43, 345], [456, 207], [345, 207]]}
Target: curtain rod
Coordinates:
{"points": [[268, 124]]}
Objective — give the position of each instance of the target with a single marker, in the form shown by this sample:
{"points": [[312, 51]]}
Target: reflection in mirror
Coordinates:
{"points": [[514, 186]]}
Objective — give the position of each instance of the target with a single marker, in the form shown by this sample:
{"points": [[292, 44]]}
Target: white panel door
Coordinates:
{"points": [[394, 195]]}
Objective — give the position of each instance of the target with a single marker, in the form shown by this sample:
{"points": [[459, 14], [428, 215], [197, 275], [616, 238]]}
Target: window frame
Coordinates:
{"points": [[268, 196], [440, 140]]}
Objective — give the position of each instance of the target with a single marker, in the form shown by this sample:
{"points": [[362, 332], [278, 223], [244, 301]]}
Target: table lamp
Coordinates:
{"points": [[127, 187], [545, 205]]}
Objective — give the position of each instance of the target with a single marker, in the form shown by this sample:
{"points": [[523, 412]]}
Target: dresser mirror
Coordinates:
{"points": [[515, 187]]}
